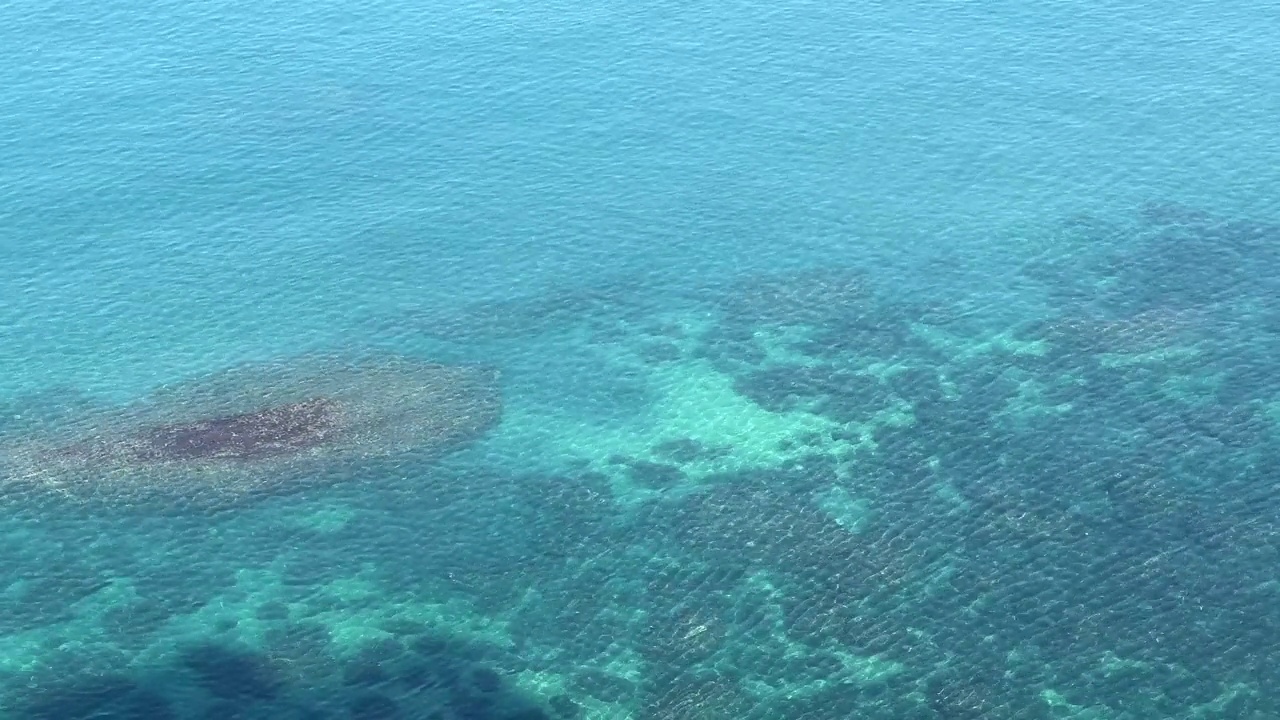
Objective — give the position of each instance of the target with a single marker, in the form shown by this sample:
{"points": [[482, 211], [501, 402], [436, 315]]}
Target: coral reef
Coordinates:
{"points": [[786, 497], [260, 428]]}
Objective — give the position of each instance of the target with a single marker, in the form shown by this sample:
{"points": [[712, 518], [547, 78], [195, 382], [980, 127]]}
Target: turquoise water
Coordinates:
{"points": [[891, 294]]}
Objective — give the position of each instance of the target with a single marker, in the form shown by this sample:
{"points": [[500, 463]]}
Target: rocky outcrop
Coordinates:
{"points": [[260, 429]]}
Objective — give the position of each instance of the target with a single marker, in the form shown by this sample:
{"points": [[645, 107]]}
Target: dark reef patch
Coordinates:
{"points": [[688, 450], [274, 430], [211, 679], [231, 673], [259, 429]]}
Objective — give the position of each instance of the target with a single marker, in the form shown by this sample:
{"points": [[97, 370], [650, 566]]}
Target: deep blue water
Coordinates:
{"points": [[185, 187]]}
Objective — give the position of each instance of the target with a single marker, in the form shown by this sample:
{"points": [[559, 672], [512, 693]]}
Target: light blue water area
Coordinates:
{"points": [[578, 194], [181, 179]]}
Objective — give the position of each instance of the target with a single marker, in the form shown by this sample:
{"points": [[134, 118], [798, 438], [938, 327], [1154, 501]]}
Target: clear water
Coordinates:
{"points": [[889, 295]]}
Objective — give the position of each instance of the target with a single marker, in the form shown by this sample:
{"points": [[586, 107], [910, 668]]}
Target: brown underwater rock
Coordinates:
{"points": [[260, 429]]}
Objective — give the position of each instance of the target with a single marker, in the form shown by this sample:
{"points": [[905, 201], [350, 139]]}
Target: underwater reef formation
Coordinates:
{"points": [[1147, 331], [260, 428], [803, 295], [833, 500]]}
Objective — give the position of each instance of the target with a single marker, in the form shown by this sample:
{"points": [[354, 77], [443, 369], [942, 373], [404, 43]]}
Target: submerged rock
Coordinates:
{"points": [[260, 428], [276, 430]]}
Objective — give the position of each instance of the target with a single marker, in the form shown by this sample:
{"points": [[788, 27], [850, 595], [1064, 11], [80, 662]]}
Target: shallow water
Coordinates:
{"points": [[909, 360]]}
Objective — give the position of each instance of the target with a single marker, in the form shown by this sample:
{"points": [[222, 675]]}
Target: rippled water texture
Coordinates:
{"points": [[661, 361]]}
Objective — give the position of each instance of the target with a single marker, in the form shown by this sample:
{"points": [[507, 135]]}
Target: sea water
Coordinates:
{"points": [[858, 359]]}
